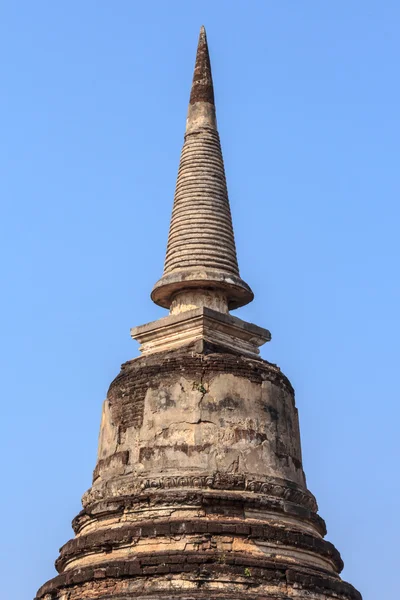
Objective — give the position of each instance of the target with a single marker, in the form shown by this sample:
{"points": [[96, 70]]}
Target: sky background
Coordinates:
{"points": [[93, 107]]}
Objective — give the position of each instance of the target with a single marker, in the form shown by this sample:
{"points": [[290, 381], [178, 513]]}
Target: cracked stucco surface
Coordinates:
{"points": [[226, 423]]}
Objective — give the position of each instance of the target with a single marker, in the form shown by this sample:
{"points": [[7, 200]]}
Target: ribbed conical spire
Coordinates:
{"points": [[201, 252]]}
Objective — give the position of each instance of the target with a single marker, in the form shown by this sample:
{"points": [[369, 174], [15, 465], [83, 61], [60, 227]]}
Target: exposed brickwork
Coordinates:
{"points": [[223, 543], [215, 504], [223, 528], [109, 538], [128, 390], [204, 567]]}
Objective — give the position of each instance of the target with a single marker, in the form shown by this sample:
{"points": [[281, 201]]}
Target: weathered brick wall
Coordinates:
{"points": [[199, 490], [199, 416]]}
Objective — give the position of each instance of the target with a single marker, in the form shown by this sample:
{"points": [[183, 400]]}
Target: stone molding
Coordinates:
{"points": [[211, 502], [226, 481], [270, 486], [169, 333]]}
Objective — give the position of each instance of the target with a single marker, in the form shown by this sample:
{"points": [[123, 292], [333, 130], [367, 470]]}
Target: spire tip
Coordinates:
{"points": [[202, 86]]}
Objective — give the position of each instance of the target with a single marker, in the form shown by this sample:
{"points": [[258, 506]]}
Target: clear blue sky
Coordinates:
{"points": [[93, 107]]}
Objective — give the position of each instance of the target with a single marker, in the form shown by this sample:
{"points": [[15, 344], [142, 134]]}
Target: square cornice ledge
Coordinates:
{"points": [[202, 323]]}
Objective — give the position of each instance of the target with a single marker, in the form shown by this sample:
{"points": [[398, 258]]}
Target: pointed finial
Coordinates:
{"points": [[202, 86], [201, 112]]}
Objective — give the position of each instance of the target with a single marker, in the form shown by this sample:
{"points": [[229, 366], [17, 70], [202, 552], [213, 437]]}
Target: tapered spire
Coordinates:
{"points": [[201, 254]]}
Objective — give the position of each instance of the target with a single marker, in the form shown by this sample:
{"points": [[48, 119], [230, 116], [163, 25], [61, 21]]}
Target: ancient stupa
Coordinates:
{"points": [[199, 490]]}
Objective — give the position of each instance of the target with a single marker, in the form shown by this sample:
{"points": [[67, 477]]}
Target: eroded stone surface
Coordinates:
{"points": [[199, 489], [199, 415]]}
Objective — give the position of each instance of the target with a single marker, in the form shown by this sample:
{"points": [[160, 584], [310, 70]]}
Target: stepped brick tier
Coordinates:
{"points": [[199, 490]]}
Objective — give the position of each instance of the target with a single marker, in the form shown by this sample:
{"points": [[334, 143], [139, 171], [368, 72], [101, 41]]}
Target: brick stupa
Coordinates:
{"points": [[199, 489]]}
